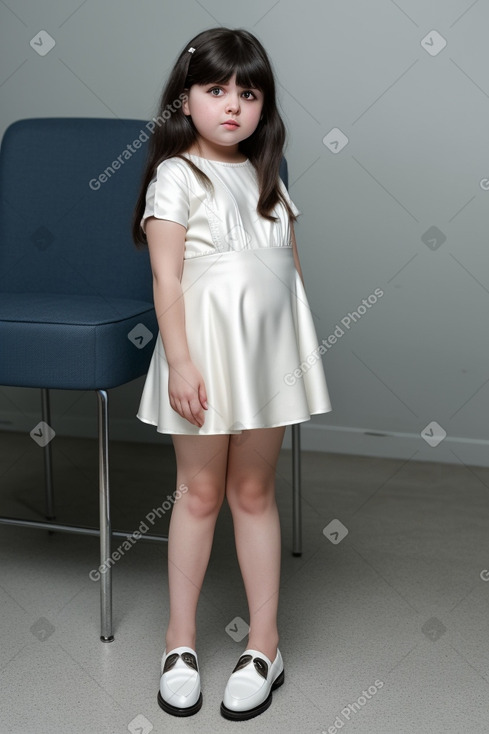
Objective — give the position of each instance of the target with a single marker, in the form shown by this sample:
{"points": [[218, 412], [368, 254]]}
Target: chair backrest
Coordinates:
{"points": [[69, 187], [284, 172]]}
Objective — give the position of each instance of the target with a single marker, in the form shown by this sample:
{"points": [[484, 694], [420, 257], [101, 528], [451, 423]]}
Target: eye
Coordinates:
{"points": [[215, 89], [250, 95]]}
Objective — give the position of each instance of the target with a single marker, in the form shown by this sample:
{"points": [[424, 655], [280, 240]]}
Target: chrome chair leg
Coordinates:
{"points": [[48, 464], [105, 526], [296, 491]]}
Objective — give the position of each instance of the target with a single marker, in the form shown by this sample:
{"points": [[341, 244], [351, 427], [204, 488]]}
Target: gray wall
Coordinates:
{"points": [[402, 207]]}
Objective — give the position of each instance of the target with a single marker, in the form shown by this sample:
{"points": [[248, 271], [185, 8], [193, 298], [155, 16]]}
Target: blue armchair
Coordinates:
{"points": [[76, 297]]}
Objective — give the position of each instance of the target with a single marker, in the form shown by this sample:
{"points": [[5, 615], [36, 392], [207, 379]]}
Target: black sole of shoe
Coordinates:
{"points": [[175, 711], [250, 713]]}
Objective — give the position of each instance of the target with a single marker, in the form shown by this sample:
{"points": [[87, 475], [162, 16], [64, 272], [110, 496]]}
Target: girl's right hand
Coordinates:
{"points": [[187, 393]]}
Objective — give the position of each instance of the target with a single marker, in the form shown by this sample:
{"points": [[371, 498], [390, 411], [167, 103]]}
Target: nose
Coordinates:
{"points": [[232, 104]]}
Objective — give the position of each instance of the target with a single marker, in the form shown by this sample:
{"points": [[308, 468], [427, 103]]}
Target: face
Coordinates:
{"points": [[224, 115]]}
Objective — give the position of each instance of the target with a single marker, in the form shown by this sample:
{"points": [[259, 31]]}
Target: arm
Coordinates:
{"points": [[166, 243]]}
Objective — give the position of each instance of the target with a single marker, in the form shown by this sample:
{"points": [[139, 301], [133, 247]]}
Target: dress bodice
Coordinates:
{"points": [[219, 221]]}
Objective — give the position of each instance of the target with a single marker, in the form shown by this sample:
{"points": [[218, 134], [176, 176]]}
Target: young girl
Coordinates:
{"points": [[236, 358]]}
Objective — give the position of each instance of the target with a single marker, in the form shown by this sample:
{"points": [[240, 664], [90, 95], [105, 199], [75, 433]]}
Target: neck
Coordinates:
{"points": [[230, 154]]}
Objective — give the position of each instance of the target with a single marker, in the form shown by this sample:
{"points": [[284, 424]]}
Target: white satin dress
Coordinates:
{"points": [[249, 327]]}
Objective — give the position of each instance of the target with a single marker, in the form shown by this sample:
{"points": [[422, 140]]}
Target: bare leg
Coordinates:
{"points": [[201, 466], [250, 491]]}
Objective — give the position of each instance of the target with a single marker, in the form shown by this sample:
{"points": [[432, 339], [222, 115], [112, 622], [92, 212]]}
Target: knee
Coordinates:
{"points": [[250, 495], [204, 499]]}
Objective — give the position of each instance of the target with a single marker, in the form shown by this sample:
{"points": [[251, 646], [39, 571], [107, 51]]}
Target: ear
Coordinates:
{"points": [[185, 108]]}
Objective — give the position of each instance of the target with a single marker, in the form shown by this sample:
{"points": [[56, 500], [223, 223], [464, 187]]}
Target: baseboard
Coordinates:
{"points": [[314, 437]]}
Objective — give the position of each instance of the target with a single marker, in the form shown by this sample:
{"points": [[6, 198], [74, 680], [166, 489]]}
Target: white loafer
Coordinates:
{"points": [[249, 689], [180, 692]]}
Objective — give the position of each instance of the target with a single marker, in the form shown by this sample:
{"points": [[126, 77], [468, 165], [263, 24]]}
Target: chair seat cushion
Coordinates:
{"points": [[80, 342]]}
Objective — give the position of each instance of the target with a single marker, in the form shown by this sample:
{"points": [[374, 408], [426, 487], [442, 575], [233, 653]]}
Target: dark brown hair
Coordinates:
{"points": [[218, 54]]}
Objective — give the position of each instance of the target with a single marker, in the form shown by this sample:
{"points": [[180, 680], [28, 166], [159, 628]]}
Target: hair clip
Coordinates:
{"points": [[191, 50]]}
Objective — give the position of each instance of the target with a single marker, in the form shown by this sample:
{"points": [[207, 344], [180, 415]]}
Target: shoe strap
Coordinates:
{"points": [[188, 656], [261, 663]]}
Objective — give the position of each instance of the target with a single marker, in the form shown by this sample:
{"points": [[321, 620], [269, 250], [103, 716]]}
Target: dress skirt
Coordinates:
{"points": [[251, 335]]}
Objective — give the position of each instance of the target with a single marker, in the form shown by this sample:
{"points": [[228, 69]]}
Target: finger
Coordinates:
{"points": [[178, 406], [188, 413], [197, 412], [203, 396]]}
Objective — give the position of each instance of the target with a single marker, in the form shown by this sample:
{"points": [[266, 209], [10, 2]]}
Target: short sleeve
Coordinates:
{"points": [[288, 199], [167, 196]]}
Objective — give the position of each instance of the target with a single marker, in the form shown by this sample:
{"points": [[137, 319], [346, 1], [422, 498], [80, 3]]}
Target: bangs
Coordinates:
{"points": [[217, 66]]}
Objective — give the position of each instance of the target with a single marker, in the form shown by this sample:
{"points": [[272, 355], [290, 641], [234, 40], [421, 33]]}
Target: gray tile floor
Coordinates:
{"points": [[383, 632]]}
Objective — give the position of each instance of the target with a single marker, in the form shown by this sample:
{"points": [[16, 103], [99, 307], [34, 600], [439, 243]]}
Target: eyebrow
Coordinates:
{"points": [[225, 84]]}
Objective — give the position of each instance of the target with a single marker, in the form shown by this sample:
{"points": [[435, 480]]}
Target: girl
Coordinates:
{"points": [[230, 367]]}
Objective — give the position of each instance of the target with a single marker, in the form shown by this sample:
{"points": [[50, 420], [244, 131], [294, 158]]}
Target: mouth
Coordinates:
{"points": [[230, 124]]}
